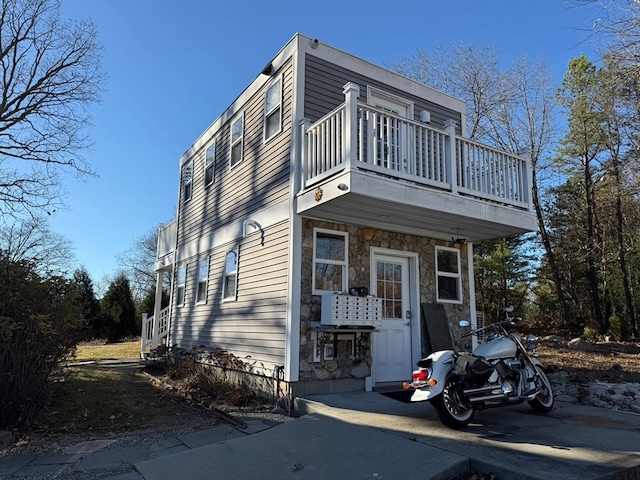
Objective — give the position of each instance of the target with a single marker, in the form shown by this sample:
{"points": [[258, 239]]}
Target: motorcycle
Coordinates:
{"points": [[499, 372]]}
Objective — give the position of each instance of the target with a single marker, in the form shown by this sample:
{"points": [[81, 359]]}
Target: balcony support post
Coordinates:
{"points": [[304, 154], [452, 161], [351, 93], [157, 308]]}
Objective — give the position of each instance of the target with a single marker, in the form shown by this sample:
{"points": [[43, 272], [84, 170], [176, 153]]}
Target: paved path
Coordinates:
{"points": [[360, 435]]}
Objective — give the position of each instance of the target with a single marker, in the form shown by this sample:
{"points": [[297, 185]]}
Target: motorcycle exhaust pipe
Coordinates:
{"points": [[487, 398], [485, 389]]}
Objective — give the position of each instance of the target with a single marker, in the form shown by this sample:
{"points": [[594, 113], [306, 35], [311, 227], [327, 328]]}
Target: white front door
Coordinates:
{"points": [[391, 349]]}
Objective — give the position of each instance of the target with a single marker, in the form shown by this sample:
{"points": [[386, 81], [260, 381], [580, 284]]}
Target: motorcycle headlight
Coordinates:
{"points": [[531, 342]]}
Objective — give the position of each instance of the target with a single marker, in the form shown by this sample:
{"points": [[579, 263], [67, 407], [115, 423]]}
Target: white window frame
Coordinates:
{"points": [[457, 276], [203, 281], [187, 181], [229, 274], [344, 263], [181, 284], [210, 163], [233, 142], [276, 108]]}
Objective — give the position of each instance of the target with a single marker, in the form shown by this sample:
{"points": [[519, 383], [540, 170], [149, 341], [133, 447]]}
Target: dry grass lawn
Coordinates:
{"points": [[107, 351]]}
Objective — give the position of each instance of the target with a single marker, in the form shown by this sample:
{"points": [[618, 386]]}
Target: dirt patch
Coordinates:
{"points": [[612, 362]]}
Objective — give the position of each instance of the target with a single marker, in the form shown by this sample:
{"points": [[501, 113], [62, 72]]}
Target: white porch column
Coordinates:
{"points": [[452, 173], [157, 308], [351, 93]]}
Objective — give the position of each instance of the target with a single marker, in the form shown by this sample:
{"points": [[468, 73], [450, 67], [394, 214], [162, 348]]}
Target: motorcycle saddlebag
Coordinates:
{"points": [[473, 370]]}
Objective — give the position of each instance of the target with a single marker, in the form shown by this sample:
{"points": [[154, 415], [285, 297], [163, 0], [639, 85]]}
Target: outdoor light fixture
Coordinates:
{"points": [[343, 186], [268, 70], [255, 225], [458, 240]]}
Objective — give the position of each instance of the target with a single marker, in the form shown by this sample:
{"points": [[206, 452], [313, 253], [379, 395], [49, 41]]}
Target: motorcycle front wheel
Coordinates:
{"points": [[543, 402], [450, 407]]}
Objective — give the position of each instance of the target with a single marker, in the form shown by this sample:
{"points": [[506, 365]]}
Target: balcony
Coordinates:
{"points": [[167, 236], [364, 165]]}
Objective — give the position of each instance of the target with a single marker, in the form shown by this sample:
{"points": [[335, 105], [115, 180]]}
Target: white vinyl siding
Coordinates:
{"points": [[259, 181], [254, 323], [448, 279]]}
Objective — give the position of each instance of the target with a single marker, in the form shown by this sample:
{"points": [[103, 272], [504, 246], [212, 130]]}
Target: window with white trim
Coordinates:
{"points": [[235, 141], [448, 280], [203, 277], [230, 281], [181, 282], [210, 164], [330, 260], [187, 181], [273, 110]]}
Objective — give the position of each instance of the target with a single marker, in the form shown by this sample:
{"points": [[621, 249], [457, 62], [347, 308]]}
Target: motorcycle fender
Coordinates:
{"points": [[441, 363]]}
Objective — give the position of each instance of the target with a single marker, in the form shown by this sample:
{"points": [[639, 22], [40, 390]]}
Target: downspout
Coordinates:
{"points": [[472, 294]]}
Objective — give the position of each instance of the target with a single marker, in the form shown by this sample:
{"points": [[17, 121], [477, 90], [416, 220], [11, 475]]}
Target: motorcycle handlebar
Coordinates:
{"points": [[503, 323]]}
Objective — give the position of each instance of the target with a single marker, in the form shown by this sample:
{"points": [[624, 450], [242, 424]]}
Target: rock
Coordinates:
{"points": [[580, 344], [321, 374], [361, 370]]}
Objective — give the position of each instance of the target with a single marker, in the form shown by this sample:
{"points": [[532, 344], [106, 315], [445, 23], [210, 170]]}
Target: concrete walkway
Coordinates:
{"points": [[360, 435]]}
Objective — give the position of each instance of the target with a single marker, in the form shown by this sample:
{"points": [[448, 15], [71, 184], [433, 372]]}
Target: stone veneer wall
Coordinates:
{"points": [[343, 365]]}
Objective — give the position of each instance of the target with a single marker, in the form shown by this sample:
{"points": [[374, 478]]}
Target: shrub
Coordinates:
{"points": [[38, 329]]}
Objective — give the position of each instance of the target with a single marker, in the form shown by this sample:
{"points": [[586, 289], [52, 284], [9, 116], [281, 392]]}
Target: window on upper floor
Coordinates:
{"points": [[187, 181], [230, 281], [273, 110], [203, 277], [329, 261], [449, 288], [236, 141], [181, 282], [209, 164]]}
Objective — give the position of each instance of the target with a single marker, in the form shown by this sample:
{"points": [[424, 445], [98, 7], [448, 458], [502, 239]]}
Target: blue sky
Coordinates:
{"points": [[175, 65]]}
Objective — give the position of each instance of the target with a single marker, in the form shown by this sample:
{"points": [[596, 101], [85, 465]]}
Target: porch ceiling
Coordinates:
{"points": [[384, 203]]}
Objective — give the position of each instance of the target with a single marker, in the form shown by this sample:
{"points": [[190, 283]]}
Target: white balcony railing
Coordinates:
{"points": [[154, 330], [167, 235], [358, 136]]}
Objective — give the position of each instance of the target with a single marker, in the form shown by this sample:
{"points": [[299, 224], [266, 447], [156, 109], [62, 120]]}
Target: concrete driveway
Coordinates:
{"points": [[571, 442], [366, 435]]}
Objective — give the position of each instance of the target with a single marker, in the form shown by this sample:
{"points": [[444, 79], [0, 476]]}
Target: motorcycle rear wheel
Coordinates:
{"points": [[543, 402], [450, 408]]}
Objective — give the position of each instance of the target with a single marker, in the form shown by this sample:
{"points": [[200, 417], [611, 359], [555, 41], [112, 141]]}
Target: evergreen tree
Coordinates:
{"points": [[119, 310], [82, 295]]}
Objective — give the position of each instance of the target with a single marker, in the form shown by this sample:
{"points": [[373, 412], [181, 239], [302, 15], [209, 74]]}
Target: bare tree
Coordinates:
{"points": [[31, 239], [512, 109], [50, 72], [137, 263]]}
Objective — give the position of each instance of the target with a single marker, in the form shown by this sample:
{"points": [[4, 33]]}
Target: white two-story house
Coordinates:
{"points": [[329, 173]]}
